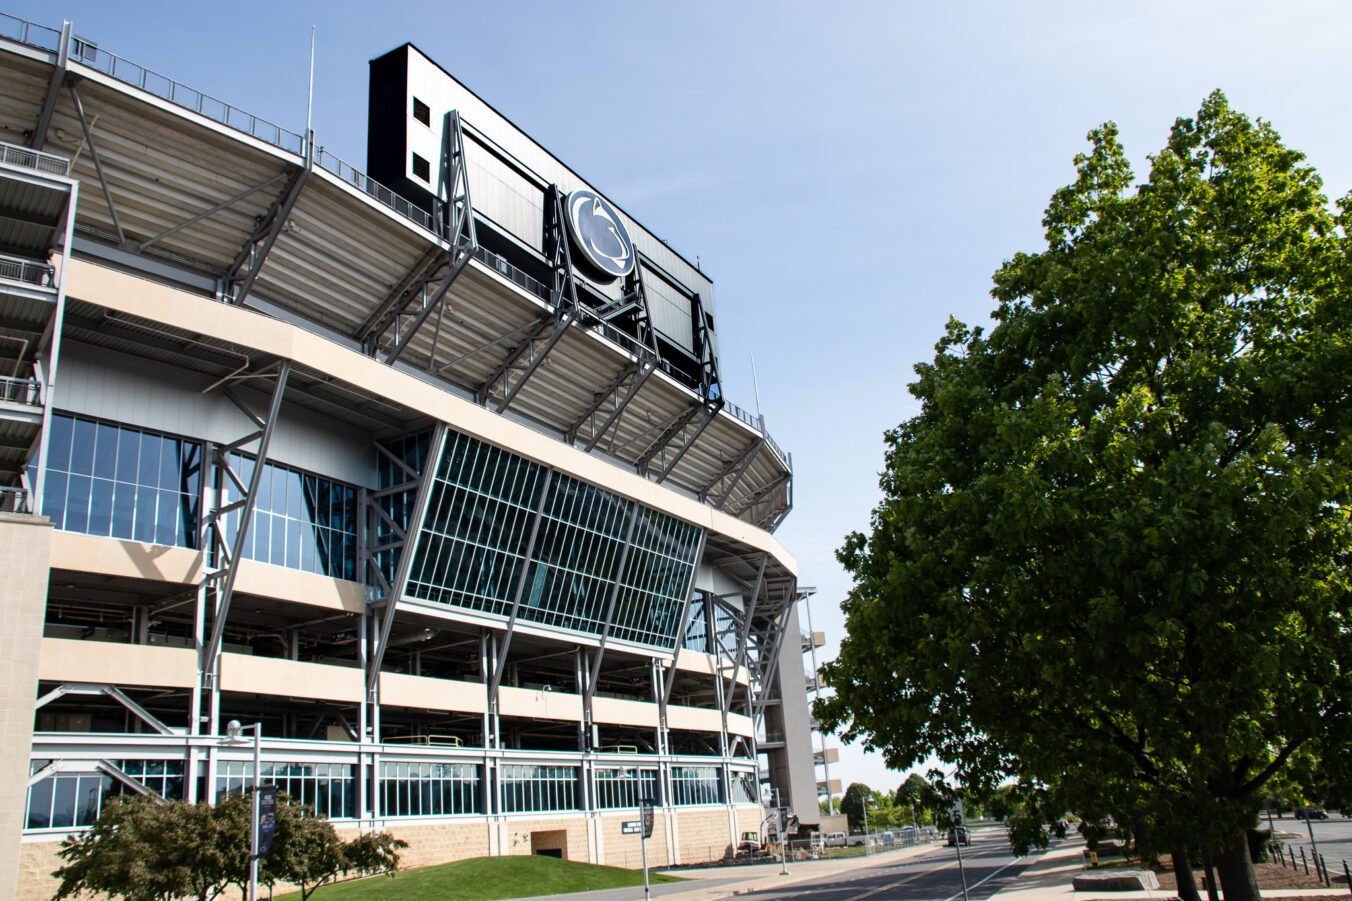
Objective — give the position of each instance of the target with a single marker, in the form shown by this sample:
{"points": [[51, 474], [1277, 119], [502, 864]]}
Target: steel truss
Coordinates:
{"points": [[722, 486], [112, 691], [239, 277], [760, 502], [402, 542], [524, 359], [681, 433], [422, 291], [218, 582]]}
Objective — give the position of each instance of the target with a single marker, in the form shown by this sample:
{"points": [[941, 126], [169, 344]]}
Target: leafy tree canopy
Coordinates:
{"points": [[1111, 559]]}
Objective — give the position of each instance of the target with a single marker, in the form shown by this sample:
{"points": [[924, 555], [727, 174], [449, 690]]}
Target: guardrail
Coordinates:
{"points": [[29, 271], [14, 499], [27, 158], [374, 189], [30, 33], [20, 391]]}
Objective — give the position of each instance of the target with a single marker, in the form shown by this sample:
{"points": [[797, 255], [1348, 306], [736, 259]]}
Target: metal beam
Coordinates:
{"points": [[112, 691], [98, 164], [455, 222], [685, 622], [211, 212], [748, 611], [710, 413], [239, 278], [39, 136], [761, 493], [501, 665], [610, 611], [629, 382], [401, 573], [525, 359], [734, 471], [224, 591]]}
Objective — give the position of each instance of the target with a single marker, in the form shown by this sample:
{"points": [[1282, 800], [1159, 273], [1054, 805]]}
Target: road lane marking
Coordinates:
{"points": [[892, 885], [977, 885]]}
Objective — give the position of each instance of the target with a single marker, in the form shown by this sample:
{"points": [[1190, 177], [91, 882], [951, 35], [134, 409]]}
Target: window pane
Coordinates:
{"points": [[105, 451], [128, 450], [101, 507], [82, 447], [58, 451]]}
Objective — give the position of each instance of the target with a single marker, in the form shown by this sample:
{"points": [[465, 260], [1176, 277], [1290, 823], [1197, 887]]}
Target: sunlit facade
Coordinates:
{"points": [[426, 468]]}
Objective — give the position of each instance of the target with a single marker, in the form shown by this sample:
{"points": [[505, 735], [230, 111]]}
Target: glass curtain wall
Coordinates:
{"points": [[474, 548], [626, 787], [327, 787], [530, 787], [696, 785]]}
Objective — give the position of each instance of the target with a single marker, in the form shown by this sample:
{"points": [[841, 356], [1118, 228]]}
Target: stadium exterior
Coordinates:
{"points": [[428, 470]]}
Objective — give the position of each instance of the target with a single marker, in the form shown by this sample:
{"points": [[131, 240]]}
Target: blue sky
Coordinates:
{"points": [[850, 174]]}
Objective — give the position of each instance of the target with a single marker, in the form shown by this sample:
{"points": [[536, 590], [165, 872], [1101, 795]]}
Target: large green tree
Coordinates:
{"points": [[1111, 559]]}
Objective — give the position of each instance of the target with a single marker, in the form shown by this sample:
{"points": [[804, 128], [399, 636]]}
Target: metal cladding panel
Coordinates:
{"points": [[430, 84], [501, 194], [670, 311], [104, 384]]}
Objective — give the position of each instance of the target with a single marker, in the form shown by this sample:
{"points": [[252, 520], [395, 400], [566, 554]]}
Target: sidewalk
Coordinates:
{"points": [[715, 881], [1050, 880]]}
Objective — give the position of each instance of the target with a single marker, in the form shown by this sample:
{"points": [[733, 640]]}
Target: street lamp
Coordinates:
{"points": [[867, 799], [234, 735]]}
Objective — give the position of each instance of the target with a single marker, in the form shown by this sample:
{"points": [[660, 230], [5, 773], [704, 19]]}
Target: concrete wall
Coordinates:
{"points": [[791, 767], [25, 554]]}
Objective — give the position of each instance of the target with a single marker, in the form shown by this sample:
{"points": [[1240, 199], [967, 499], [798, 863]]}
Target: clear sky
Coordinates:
{"points": [[850, 174]]}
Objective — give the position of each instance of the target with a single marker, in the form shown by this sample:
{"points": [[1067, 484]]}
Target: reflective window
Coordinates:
{"points": [[696, 785], [69, 800], [429, 789], [300, 521], [326, 787], [164, 777], [526, 787], [472, 549], [626, 787], [122, 482]]}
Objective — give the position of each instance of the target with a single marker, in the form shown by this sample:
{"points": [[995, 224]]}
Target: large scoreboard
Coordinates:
{"points": [[512, 181]]}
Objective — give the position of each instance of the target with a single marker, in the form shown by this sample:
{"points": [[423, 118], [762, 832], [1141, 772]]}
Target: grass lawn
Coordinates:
{"points": [[484, 879]]}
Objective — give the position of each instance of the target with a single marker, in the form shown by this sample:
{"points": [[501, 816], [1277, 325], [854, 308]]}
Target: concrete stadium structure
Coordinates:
{"points": [[427, 469]]}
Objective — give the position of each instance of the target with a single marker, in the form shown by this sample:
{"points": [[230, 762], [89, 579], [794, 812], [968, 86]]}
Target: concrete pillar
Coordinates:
{"points": [[25, 560]]}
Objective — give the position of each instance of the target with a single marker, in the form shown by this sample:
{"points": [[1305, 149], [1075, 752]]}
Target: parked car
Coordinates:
{"points": [[855, 840], [835, 840], [958, 836], [1311, 813]]}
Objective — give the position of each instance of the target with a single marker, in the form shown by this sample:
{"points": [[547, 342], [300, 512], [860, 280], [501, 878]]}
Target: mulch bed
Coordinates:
{"points": [[1270, 876]]}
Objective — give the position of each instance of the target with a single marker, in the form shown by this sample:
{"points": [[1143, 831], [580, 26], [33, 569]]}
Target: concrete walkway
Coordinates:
{"points": [[1050, 880]]}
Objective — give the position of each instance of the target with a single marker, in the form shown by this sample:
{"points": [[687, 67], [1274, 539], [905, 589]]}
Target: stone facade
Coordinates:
{"points": [[25, 556], [704, 835]]}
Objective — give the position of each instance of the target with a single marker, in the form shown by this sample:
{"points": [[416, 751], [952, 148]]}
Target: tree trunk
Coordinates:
{"points": [[1183, 874], [1235, 869]]}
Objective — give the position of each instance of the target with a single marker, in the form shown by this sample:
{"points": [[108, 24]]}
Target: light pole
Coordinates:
{"points": [[867, 799], [234, 733]]}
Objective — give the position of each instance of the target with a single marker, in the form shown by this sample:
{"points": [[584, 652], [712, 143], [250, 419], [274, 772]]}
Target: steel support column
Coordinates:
{"points": [[239, 277], [617, 395], [221, 582], [749, 605], [205, 214], [422, 292], [38, 138], [408, 544], [733, 473], [98, 164]]}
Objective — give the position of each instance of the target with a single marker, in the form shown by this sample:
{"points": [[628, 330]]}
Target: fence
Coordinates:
{"points": [[20, 391], [14, 499], [1286, 856]]}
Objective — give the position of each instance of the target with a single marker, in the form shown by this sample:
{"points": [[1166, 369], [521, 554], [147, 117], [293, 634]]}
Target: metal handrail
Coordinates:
{"points": [[88, 53], [20, 391], [14, 499], [27, 158], [30, 33], [31, 271], [374, 189]]}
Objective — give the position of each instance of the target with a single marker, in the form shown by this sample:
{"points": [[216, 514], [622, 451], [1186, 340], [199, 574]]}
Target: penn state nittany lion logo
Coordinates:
{"points": [[599, 234]]}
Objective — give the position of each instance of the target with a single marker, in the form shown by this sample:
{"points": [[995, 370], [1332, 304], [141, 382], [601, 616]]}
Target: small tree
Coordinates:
{"points": [[141, 849]]}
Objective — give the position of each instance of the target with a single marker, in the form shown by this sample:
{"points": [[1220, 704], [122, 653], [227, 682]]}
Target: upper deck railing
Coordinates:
{"points": [[23, 157], [31, 271]]}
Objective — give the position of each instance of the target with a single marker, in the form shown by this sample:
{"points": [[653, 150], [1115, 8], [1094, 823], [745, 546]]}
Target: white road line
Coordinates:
{"points": [[987, 879]]}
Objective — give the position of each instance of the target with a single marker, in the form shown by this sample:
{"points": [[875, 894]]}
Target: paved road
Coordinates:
{"points": [[932, 876], [1334, 837]]}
